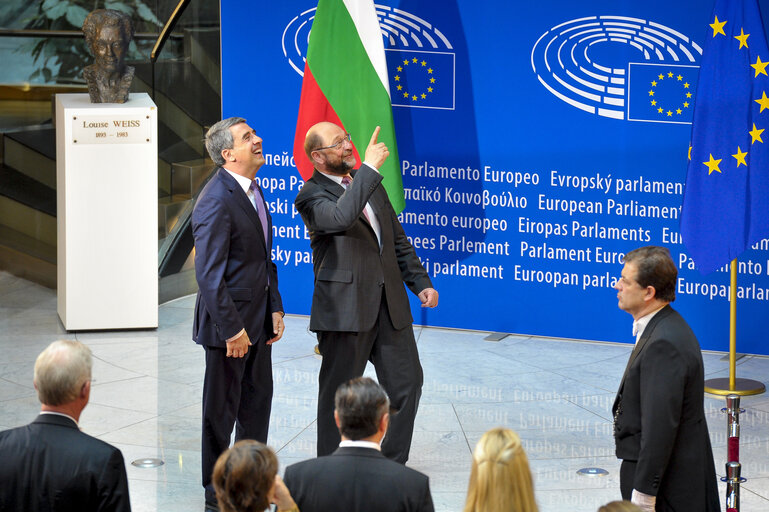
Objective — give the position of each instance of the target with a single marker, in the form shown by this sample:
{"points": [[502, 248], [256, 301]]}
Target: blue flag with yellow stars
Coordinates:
{"points": [[421, 79], [661, 93], [726, 200]]}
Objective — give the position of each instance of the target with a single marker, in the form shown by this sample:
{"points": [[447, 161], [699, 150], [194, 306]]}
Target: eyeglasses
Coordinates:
{"points": [[347, 137]]}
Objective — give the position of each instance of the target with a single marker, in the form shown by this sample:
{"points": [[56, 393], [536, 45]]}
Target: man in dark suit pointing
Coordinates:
{"points": [[357, 477], [50, 464], [362, 257], [238, 313], [659, 420]]}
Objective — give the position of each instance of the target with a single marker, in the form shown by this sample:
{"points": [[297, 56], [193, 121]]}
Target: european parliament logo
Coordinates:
{"points": [[420, 58], [620, 67]]}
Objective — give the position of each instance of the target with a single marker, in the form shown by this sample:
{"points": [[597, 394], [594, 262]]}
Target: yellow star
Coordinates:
{"points": [[759, 66], [690, 152], [743, 39], [429, 89], [405, 62], [718, 27], [400, 87], [405, 94], [686, 104], [688, 95], [670, 113], [651, 93], [686, 85], [429, 71], [763, 101], [661, 76], [712, 164], [432, 80], [654, 102], [397, 78], [670, 74], [678, 111], [755, 133], [654, 83], [424, 63], [424, 95], [414, 60], [660, 110], [680, 78], [740, 156], [414, 97], [399, 68]]}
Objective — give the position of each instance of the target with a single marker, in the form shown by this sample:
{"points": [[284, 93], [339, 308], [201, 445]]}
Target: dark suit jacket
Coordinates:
{"points": [[233, 266], [351, 268], [660, 418], [357, 479], [51, 466]]}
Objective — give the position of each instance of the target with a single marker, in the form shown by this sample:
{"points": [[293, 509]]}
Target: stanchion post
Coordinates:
{"points": [[732, 487], [733, 428]]}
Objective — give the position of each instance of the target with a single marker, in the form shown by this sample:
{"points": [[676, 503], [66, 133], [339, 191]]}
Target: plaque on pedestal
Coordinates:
{"points": [[106, 192]]}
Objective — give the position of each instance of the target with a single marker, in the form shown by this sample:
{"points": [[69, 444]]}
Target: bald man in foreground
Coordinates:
{"points": [[362, 258]]}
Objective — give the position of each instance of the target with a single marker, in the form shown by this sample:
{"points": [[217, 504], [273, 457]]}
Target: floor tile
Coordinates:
{"points": [[556, 393]]}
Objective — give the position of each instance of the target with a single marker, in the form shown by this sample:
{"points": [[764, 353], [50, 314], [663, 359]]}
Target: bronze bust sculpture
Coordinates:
{"points": [[108, 33]]}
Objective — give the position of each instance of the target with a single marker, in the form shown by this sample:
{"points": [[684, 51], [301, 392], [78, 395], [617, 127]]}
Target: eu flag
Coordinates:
{"points": [[726, 200], [661, 93], [421, 79]]}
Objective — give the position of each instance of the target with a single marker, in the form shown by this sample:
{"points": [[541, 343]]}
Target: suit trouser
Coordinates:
{"points": [[236, 392], [396, 360]]}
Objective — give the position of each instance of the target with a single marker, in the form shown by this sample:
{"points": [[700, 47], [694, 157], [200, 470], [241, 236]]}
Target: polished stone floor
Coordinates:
{"points": [[556, 393]]}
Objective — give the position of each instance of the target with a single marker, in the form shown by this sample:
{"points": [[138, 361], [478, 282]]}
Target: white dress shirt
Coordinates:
{"points": [[360, 444]]}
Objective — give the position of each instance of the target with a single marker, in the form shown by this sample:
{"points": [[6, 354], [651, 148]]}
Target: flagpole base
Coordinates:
{"points": [[742, 387]]}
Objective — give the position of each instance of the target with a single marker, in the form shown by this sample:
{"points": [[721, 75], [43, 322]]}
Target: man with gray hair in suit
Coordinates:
{"points": [[50, 464]]}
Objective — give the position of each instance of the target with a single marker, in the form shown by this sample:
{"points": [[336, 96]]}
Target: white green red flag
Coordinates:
{"points": [[345, 82]]}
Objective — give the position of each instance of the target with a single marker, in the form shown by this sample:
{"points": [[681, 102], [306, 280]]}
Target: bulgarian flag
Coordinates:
{"points": [[345, 82]]}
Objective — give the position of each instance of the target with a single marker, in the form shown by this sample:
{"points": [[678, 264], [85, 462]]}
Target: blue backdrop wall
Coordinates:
{"points": [[554, 141]]}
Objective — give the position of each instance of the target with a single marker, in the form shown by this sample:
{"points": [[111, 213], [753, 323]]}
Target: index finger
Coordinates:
{"points": [[374, 136]]}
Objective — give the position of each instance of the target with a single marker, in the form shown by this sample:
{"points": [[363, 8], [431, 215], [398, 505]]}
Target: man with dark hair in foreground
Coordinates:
{"points": [[50, 464], [357, 477], [659, 419]]}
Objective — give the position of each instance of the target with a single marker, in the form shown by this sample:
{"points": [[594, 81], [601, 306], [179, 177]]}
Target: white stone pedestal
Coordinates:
{"points": [[107, 197]]}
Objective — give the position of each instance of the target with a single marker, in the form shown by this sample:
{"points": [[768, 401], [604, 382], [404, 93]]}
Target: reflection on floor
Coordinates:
{"points": [[556, 393]]}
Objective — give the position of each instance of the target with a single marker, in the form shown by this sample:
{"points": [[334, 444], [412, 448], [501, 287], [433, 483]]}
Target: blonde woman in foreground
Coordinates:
{"points": [[500, 479]]}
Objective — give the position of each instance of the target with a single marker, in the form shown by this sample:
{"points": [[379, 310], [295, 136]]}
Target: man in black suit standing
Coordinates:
{"points": [[238, 312], [357, 477], [50, 464], [360, 309], [659, 420]]}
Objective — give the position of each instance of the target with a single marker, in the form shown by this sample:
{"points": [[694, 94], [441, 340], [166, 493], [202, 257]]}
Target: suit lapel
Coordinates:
{"points": [[328, 184], [648, 331], [241, 199]]}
